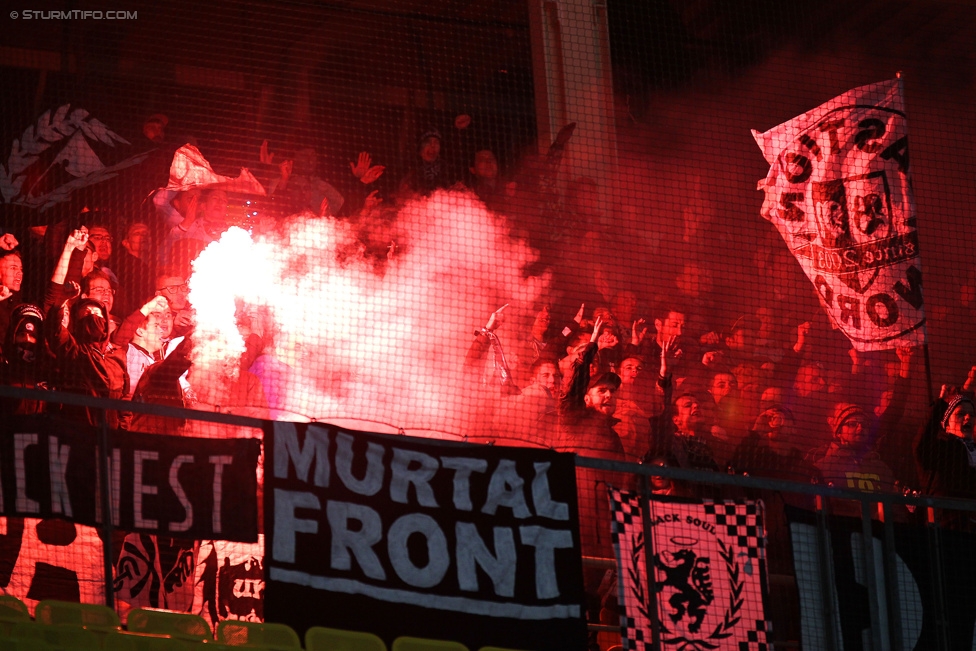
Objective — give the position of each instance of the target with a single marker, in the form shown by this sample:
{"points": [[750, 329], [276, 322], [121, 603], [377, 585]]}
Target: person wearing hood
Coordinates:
{"points": [[946, 456], [77, 334], [946, 451], [23, 362], [430, 171]]}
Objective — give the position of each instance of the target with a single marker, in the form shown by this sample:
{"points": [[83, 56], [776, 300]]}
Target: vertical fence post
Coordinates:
{"points": [[105, 494], [826, 576], [891, 578], [938, 585], [870, 575], [649, 564]]}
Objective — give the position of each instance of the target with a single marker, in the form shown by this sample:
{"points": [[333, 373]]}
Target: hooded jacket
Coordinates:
{"points": [[87, 362], [17, 371]]}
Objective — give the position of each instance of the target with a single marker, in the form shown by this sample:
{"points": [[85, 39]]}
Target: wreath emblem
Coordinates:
{"points": [[730, 618]]}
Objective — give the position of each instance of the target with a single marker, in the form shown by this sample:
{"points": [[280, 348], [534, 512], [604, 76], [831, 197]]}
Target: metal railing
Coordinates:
{"points": [[879, 515]]}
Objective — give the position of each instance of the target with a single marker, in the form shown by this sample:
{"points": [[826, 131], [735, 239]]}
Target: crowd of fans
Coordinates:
{"points": [[670, 378]]}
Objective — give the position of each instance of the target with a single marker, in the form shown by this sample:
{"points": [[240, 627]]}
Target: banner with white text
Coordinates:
{"points": [[164, 485], [434, 539], [839, 191]]}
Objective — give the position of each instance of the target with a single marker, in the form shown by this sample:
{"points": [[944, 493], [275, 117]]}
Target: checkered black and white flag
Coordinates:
{"points": [[709, 576]]}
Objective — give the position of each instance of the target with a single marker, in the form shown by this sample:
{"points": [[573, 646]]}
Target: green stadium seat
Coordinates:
{"points": [[60, 636], [184, 626], [407, 643], [91, 616], [128, 641], [13, 609], [29, 644], [270, 636], [319, 638]]}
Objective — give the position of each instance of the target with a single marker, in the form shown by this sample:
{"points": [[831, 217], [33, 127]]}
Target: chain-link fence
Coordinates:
{"points": [[687, 234]]}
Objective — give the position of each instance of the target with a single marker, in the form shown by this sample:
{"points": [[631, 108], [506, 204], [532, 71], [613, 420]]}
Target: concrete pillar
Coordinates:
{"points": [[573, 83]]}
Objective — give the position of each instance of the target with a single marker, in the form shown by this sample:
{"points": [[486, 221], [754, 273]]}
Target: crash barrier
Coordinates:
{"points": [[732, 558]]}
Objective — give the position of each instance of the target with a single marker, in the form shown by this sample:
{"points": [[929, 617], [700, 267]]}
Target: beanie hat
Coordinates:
{"points": [[430, 133], [25, 316], [25, 311], [954, 403], [844, 411]]}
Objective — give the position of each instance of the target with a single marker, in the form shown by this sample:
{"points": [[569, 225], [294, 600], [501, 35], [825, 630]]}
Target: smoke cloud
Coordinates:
{"points": [[369, 341]]}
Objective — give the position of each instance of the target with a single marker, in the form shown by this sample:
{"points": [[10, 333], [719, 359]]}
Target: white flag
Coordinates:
{"points": [[190, 170], [78, 157], [839, 192]]}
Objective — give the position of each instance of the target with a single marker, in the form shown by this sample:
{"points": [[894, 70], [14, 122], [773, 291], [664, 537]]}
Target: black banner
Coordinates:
{"points": [[165, 485], [405, 536]]}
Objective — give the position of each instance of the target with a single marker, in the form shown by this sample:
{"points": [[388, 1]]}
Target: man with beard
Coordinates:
{"points": [[529, 418], [77, 334], [23, 362], [586, 427], [691, 444]]}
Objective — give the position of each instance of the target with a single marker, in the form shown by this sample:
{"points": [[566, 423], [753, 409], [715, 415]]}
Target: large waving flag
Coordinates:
{"points": [[839, 192]]}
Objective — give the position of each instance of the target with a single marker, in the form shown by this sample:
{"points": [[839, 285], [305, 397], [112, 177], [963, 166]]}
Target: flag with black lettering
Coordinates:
{"points": [[839, 192], [433, 539], [709, 574]]}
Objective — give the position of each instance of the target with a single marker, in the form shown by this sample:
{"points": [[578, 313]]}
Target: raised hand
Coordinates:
{"points": [[184, 319], [905, 355], [285, 168], [360, 167], [266, 157], [77, 239], [495, 319], [596, 328], [8, 242], [372, 200], [669, 354], [155, 304], [970, 379], [710, 339], [373, 173], [607, 339], [802, 331], [72, 290], [637, 332]]}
